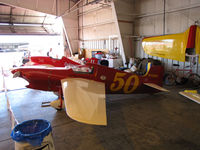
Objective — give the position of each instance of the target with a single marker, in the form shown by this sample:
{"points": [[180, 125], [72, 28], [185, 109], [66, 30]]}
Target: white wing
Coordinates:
{"points": [[193, 96], [85, 100], [155, 86]]}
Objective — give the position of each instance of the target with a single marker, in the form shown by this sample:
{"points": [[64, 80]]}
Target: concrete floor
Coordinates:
{"points": [[164, 121]]}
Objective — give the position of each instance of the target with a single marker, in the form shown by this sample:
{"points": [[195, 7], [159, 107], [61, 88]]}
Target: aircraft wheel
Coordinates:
{"points": [[56, 93], [169, 79], [181, 80], [56, 104]]}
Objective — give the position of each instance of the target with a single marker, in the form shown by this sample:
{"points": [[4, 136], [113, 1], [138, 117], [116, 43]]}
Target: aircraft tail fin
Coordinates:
{"points": [[155, 74]]}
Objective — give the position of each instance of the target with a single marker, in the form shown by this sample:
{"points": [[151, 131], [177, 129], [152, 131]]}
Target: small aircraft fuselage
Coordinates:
{"points": [[116, 81]]}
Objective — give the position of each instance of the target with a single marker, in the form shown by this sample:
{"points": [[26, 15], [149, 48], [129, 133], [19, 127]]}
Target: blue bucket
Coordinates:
{"points": [[31, 131]]}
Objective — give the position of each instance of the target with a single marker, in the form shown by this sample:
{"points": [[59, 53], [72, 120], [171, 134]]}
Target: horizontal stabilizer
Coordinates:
{"points": [[155, 86], [192, 96], [85, 100]]}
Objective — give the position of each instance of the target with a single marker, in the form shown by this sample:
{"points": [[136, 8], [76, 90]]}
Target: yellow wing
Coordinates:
{"points": [[167, 46]]}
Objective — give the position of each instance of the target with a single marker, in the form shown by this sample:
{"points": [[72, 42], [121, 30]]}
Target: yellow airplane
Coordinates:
{"points": [[173, 46]]}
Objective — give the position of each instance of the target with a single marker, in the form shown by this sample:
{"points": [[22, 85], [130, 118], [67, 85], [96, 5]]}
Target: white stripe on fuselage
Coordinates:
{"points": [[45, 67]]}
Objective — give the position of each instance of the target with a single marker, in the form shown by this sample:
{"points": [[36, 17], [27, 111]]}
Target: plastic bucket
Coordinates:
{"points": [[33, 134]]}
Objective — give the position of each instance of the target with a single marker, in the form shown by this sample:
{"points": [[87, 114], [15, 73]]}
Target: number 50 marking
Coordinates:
{"points": [[119, 78]]}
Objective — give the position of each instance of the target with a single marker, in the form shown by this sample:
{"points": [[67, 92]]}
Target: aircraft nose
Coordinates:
{"points": [[14, 70], [17, 74]]}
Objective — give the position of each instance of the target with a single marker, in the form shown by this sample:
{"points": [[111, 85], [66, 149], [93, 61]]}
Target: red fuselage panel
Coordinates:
{"points": [[116, 81]]}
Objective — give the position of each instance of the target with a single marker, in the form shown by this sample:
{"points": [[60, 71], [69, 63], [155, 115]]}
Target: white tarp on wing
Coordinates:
{"points": [[85, 100]]}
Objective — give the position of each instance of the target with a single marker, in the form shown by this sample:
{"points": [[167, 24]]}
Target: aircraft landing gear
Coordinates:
{"points": [[57, 104]]}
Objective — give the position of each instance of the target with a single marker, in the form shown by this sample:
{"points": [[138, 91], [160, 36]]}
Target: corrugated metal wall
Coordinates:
{"points": [[97, 26], [100, 44], [159, 17]]}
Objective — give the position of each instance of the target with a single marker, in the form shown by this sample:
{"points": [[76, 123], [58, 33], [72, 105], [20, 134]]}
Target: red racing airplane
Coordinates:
{"points": [[84, 86], [49, 61]]}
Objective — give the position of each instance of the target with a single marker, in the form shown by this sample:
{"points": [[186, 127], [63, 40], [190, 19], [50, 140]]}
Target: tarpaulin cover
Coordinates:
{"points": [[31, 131]]}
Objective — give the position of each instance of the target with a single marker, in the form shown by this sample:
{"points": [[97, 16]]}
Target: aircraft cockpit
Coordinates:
{"points": [[83, 69]]}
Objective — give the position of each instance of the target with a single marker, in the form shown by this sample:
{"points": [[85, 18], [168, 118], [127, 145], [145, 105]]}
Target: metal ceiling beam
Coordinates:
{"points": [[95, 9], [32, 34], [44, 20], [11, 21], [75, 1], [70, 9], [24, 24], [45, 29], [168, 11], [23, 15]]}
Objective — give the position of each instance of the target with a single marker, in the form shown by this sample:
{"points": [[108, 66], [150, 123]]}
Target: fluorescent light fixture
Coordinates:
{"points": [[24, 24], [4, 24]]}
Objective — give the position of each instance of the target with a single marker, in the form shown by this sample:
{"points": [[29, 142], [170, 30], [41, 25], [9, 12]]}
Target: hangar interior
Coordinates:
{"points": [[165, 120]]}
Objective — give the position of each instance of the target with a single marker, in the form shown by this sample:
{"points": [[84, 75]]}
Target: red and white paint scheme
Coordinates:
{"points": [[84, 86]]}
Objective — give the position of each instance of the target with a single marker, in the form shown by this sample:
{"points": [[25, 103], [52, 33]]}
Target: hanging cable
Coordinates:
{"points": [[164, 14], [82, 28]]}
